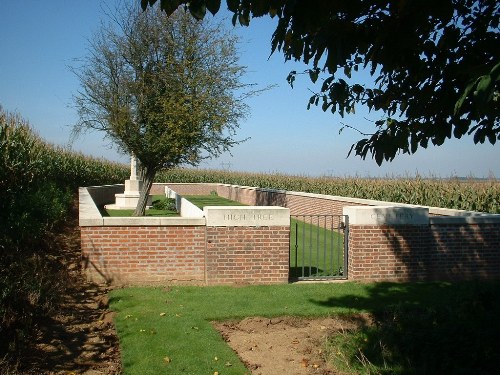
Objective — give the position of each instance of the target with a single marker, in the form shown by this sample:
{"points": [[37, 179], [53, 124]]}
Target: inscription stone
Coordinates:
{"points": [[254, 216], [391, 215]]}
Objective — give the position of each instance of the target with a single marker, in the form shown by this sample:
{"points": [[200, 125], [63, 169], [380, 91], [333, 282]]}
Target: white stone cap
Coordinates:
{"points": [[476, 219], [246, 216], [387, 215], [152, 221]]}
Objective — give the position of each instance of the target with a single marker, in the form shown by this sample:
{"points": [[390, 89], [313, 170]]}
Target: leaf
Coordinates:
{"points": [[233, 5], [167, 359], [197, 10], [260, 7], [213, 6], [163, 314], [357, 88], [244, 19], [169, 6], [313, 75]]}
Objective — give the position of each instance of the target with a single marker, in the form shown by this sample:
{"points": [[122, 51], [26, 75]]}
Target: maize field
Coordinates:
{"points": [[462, 194]]}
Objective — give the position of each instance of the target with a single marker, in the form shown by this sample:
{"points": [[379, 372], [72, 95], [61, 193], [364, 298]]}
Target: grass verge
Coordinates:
{"points": [[161, 207], [211, 200], [168, 330]]}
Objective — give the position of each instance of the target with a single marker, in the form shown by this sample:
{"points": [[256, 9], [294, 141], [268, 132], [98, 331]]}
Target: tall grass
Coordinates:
{"points": [[473, 195], [37, 188]]}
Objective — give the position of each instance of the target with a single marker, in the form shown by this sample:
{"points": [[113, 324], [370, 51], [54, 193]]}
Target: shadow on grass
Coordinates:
{"points": [[440, 328]]}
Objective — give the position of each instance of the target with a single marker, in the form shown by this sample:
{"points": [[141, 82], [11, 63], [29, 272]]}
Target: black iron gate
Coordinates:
{"points": [[318, 247]]}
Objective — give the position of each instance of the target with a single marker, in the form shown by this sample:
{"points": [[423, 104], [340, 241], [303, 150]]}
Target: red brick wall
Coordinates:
{"points": [[247, 255], [436, 252], [239, 194], [184, 189], [467, 250], [387, 253], [144, 255], [298, 204], [152, 255]]}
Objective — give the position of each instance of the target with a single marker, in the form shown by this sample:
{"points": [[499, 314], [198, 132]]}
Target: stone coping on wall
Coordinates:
{"points": [[478, 219], [446, 212], [255, 216], [183, 206], [89, 214], [387, 215], [89, 197]]}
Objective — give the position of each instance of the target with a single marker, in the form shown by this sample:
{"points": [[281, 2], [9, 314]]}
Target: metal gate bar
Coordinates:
{"points": [[318, 246]]}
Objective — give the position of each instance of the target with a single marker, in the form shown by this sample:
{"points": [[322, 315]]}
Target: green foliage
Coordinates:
{"points": [[474, 195], [435, 64], [163, 203], [38, 183]]}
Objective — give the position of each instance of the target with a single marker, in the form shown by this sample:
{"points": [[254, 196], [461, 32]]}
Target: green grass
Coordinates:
{"points": [[315, 251], [448, 322], [211, 200], [151, 212]]}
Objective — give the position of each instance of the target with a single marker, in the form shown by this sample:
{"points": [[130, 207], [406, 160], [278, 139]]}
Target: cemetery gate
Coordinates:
{"points": [[318, 247]]}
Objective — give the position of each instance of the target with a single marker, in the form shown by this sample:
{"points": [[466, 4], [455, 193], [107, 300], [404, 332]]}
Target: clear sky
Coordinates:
{"points": [[39, 40]]}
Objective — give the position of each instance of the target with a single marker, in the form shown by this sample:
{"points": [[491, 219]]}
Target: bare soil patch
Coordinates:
{"points": [[79, 336], [286, 345]]}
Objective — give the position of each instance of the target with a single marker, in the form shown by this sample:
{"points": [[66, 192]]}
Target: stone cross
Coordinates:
{"points": [[133, 168]]}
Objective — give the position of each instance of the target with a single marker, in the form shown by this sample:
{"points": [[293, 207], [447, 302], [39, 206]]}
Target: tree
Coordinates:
{"points": [[435, 64], [167, 89]]}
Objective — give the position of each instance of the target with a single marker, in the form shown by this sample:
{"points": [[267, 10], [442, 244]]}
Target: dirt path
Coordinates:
{"points": [[288, 346], [79, 336]]}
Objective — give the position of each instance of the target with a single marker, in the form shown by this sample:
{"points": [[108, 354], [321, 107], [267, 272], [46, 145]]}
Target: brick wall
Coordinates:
{"points": [[185, 189], [424, 252], [466, 251], [226, 255], [247, 255], [298, 203], [387, 252], [193, 254], [144, 255]]}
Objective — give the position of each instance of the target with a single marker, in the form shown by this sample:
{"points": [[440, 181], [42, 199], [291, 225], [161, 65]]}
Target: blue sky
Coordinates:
{"points": [[40, 39]]}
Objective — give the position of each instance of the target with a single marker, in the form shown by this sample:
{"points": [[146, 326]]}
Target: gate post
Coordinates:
{"points": [[247, 245], [387, 243]]}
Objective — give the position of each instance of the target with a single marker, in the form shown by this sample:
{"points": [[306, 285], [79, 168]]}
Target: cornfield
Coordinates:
{"points": [[38, 182], [471, 194]]}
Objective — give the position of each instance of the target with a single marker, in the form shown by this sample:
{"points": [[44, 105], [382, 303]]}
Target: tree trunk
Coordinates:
{"points": [[147, 181]]}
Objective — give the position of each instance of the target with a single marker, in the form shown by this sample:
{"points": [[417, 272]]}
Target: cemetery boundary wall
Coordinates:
{"points": [[385, 243], [447, 245], [240, 245]]}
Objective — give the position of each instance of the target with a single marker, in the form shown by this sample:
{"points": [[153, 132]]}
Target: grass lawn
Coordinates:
{"points": [[150, 212], [455, 326], [210, 200]]}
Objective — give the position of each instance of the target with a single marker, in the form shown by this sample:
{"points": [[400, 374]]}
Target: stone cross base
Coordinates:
{"points": [[129, 199]]}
